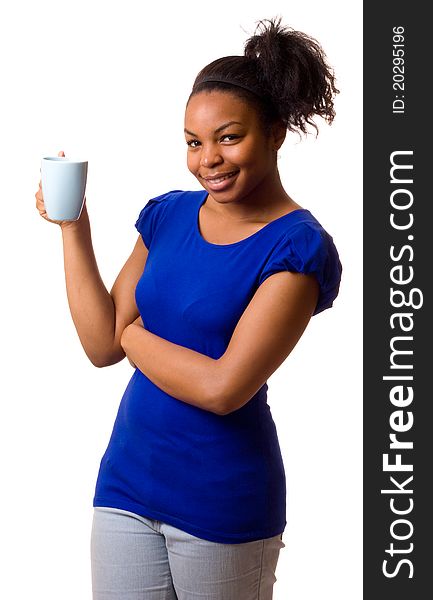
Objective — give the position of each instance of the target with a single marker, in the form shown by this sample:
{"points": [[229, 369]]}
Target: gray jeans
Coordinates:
{"points": [[136, 558]]}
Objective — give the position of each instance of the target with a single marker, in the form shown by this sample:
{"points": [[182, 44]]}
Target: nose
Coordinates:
{"points": [[210, 155]]}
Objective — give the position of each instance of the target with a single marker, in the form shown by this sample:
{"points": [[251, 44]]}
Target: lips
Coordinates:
{"points": [[220, 177], [221, 181]]}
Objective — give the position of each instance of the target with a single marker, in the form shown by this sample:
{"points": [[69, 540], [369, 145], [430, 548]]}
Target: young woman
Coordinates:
{"points": [[190, 499]]}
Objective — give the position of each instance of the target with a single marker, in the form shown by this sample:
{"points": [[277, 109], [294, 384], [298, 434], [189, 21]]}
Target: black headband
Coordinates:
{"points": [[231, 82]]}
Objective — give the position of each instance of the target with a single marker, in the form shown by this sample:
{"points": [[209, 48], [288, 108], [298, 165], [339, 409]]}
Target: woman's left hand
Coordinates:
{"points": [[138, 321]]}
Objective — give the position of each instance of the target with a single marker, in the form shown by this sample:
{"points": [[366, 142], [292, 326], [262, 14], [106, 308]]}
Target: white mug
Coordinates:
{"points": [[63, 187]]}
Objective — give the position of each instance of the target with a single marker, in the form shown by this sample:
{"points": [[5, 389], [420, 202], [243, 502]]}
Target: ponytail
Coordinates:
{"points": [[283, 72]]}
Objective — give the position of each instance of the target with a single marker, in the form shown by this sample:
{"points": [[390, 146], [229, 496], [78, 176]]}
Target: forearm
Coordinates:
{"points": [[91, 305], [183, 373]]}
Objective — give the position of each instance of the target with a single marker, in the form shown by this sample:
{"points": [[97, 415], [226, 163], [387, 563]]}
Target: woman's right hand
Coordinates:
{"points": [[40, 205]]}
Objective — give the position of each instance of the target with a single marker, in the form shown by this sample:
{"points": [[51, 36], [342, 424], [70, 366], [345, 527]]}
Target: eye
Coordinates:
{"points": [[191, 143], [230, 135]]}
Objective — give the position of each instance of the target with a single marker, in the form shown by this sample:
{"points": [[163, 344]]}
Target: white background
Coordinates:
{"points": [[109, 81]]}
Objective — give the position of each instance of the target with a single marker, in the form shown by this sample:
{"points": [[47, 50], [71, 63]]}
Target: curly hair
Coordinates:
{"points": [[283, 72]]}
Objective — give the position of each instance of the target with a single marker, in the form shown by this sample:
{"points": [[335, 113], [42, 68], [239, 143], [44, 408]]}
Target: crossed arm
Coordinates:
{"points": [[266, 333]]}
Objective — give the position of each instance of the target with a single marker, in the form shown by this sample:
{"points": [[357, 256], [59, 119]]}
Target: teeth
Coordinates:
{"points": [[221, 178]]}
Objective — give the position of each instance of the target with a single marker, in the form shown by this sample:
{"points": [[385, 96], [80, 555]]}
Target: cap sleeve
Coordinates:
{"points": [[308, 249], [150, 216]]}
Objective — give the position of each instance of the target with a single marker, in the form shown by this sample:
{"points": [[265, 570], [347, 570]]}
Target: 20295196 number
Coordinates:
{"points": [[398, 58]]}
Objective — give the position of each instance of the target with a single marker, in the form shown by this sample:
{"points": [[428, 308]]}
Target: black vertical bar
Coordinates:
{"points": [[398, 256]]}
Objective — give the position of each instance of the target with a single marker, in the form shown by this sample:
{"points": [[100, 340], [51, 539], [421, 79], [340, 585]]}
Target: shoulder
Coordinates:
{"points": [[157, 209], [307, 247], [167, 199], [308, 241]]}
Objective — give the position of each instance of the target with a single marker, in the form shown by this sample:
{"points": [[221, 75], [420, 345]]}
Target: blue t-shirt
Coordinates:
{"points": [[220, 478]]}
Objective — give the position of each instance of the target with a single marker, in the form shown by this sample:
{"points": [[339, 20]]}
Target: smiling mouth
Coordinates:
{"points": [[220, 179]]}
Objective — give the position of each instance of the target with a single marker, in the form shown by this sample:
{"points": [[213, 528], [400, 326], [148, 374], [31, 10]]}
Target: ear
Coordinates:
{"points": [[278, 134]]}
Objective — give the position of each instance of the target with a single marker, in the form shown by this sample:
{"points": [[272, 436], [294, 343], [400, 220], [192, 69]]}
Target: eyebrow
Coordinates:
{"points": [[218, 128]]}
